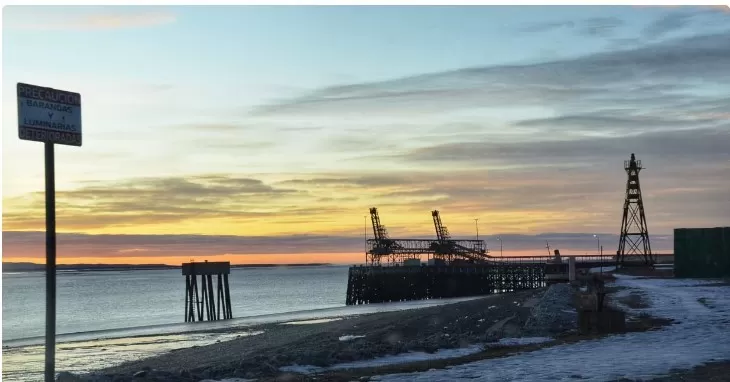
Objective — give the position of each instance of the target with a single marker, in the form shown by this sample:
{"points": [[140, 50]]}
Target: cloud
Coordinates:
{"points": [[613, 122], [547, 26], [667, 24], [85, 245], [591, 27], [678, 21], [38, 19], [695, 145], [721, 8], [593, 79], [157, 200], [97, 247], [600, 26]]}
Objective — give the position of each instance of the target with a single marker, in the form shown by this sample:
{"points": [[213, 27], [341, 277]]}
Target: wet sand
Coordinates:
{"points": [[326, 343]]}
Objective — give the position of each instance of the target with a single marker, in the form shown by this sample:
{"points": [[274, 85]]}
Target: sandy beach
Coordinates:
{"points": [[317, 343], [458, 340]]}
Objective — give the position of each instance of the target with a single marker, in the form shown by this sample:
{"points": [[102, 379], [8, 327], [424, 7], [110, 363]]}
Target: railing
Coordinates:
{"points": [[415, 246]]}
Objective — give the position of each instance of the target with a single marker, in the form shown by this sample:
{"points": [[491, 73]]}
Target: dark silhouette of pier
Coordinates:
{"points": [[201, 304]]}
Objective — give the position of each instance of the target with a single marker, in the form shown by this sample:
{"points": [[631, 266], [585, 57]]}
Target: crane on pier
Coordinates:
{"points": [[448, 249], [383, 246], [397, 250]]}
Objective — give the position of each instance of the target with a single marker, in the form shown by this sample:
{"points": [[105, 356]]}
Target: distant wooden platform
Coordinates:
{"points": [[206, 268]]}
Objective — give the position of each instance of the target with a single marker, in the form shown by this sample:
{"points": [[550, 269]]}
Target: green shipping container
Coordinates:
{"points": [[702, 252]]}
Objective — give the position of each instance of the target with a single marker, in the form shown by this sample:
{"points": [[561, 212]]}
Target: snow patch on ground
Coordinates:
{"points": [[521, 341], [415, 356], [389, 360], [310, 322], [228, 380], [349, 337], [602, 269], [700, 335]]}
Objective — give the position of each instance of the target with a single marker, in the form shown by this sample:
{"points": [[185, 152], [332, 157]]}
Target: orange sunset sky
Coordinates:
{"points": [[264, 134]]}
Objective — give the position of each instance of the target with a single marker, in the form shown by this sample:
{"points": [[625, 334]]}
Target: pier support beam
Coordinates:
{"points": [[376, 284], [571, 268], [207, 303]]}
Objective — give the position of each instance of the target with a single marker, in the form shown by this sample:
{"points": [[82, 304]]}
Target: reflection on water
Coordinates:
{"points": [[26, 363]]}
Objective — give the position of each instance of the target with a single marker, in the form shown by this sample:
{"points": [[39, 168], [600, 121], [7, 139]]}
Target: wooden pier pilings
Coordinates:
{"points": [[375, 284], [201, 305]]}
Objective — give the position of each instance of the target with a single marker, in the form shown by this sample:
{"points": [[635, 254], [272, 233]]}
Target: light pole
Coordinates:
{"points": [[500, 245], [600, 254], [365, 218], [476, 224]]}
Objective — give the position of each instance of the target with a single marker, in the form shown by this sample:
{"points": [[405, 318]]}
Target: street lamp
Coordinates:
{"points": [[476, 223], [500, 245], [365, 218], [600, 253]]}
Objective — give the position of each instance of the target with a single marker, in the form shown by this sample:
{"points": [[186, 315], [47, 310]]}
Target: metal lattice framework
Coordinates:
{"points": [[397, 250], [449, 250], [634, 246]]}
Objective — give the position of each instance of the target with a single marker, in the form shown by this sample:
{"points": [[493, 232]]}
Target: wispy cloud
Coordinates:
{"points": [[721, 8], [30, 245], [597, 79], [157, 201], [34, 19], [591, 27], [667, 24]]}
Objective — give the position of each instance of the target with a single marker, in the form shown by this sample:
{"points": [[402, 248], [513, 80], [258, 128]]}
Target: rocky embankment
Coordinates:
{"points": [[554, 314]]}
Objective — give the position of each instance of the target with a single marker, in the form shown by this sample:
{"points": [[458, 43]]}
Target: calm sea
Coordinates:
{"points": [[105, 318], [103, 300]]}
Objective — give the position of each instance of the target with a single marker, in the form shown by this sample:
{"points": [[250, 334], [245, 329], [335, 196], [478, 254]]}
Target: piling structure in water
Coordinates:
{"points": [[376, 284], [206, 303]]}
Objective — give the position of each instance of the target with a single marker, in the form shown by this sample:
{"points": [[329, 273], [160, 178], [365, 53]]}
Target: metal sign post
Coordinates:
{"points": [[53, 117]]}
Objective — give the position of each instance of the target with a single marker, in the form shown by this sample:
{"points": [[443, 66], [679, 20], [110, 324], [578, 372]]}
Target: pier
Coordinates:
{"points": [[206, 303], [459, 268], [368, 285]]}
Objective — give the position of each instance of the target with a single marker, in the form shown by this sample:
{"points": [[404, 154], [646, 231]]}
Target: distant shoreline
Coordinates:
{"points": [[33, 267]]}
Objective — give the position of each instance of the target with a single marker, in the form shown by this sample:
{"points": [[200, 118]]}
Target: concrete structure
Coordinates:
{"points": [[571, 268]]}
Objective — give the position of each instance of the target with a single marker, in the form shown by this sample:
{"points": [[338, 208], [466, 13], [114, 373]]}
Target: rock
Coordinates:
{"points": [[65, 376], [554, 313], [206, 374], [268, 368]]}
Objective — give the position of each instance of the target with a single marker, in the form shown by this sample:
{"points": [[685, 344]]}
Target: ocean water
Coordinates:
{"points": [[104, 300], [108, 317]]}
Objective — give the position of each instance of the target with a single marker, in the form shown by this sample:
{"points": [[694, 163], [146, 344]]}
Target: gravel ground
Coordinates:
{"points": [[427, 329]]}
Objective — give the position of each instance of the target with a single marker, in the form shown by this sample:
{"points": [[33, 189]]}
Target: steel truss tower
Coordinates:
{"points": [[634, 246]]}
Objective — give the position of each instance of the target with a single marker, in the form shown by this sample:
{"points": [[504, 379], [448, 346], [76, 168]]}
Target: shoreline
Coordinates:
{"points": [[408, 341], [235, 324], [452, 339], [25, 362], [350, 339]]}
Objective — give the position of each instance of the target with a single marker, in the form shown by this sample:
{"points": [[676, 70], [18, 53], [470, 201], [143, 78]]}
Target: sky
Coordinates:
{"points": [[263, 134]]}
